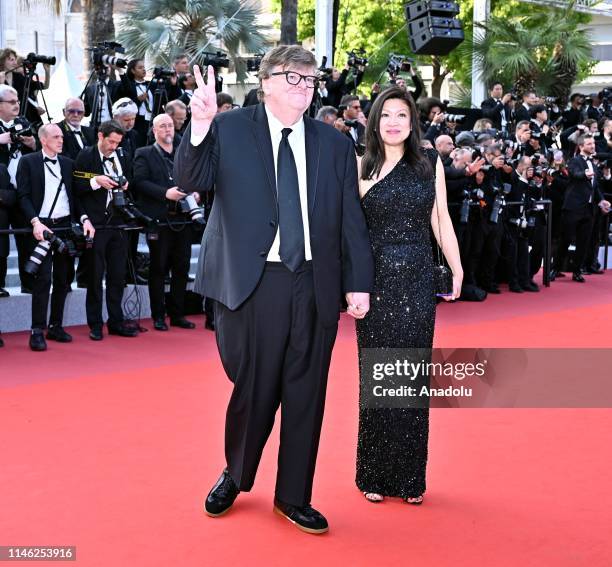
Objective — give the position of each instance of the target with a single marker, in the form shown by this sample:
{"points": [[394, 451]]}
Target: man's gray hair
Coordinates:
{"points": [[326, 111], [175, 105], [5, 90], [124, 107], [284, 56]]}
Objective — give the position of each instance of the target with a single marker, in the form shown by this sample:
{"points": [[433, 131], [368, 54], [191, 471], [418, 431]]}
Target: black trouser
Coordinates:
{"points": [[275, 351], [108, 255], [577, 225], [537, 241], [3, 270], [486, 249], [598, 236], [517, 255], [172, 251], [62, 266], [23, 243]]}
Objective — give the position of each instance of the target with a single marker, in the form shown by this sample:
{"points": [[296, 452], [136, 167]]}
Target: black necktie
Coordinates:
{"points": [[289, 209]]}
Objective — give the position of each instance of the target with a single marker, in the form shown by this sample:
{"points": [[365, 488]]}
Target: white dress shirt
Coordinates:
{"points": [[14, 157], [297, 141], [53, 176], [108, 170], [144, 107], [79, 136]]}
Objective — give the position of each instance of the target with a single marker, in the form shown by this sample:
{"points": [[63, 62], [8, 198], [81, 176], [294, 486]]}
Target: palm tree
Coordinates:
{"points": [[542, 50], [289, 10], [160, 29]]}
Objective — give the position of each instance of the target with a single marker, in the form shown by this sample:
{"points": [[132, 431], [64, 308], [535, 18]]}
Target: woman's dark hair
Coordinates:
{"points": [[130, 68], [374, 157], [426, 104]]}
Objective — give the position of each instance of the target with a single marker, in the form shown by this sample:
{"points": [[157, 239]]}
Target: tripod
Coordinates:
{"points": [[101, 93]]}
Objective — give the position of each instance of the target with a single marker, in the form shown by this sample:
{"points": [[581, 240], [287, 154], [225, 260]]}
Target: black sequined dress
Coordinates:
{"points": [[392, 443]]}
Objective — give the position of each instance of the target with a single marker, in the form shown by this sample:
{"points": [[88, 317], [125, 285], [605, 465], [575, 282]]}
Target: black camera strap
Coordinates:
{"points": [[167, 161], [57, 192]]}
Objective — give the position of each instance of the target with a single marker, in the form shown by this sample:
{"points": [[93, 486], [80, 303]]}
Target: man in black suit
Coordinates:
{"points": [[44, 185], [540, 129], [155, 191], [596, 110], [11, 151], [582, 196], [522, 111], [76, 136], [285, 236], [99, 97], [95, 170], [356, 132], [497, 107]]}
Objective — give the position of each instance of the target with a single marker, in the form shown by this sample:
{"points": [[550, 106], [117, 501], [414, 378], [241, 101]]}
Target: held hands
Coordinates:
{"points": [[174, 194], [105, 181], [203, 102], [88, 228], [358, 304], [39, 231]]}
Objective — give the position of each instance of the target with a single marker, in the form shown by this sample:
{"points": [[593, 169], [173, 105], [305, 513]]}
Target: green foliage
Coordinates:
{"points": [[159, 29]]}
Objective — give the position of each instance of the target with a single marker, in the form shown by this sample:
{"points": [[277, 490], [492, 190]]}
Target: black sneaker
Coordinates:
{"points": [[305, 518], [222, 495]]}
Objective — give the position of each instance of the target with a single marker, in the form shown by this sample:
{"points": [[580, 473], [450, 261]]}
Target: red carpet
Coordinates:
{"points": [[112, 446]]}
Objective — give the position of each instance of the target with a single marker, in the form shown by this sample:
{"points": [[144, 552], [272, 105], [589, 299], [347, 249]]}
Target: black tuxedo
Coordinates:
{"points": [[262, 307], [114, 90], [358, 144], [521, 113], [71, 146], [172, 249], [492, 109], [579, 205], [595, 113], [31, 188], [109, 253]]}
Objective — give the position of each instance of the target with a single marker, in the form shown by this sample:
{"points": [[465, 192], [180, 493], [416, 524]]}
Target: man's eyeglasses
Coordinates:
{"points": [[9, 101], [74, 111], [294, 78]]}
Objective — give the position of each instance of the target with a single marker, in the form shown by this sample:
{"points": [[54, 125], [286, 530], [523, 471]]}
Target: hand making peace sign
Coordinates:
{"points": [[203, 102]]}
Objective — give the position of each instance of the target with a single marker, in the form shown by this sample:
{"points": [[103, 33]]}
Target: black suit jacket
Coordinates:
{"points": [[150, 183], [237, 159], [521, 113], [7, 149], [93, 202], [492, 110], [71, 146], [114, 89], [580, 188], [31, 185]]}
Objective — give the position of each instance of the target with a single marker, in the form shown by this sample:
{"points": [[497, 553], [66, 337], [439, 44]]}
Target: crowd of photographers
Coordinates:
{"points": [[71, 191]]}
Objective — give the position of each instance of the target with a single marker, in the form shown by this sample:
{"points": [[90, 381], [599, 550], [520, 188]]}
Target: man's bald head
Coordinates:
{"points": [[444, 145], [51, 139], [163, 129]]}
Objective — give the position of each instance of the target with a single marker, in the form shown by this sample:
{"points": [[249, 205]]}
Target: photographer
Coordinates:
{"points": [[557, 179], [327, 114], [136, 88], [335, 84], [158, 197], [445, 147], [540, 129], [125, 112], [76, 136], [16, 140], [603, 142], [97, 172], [522, 111], [12, 74], [574, 115], [177, 110], [351, 115], [497, 107], [44, 182], [537, 216], [596, 110], [583, 195], [104, 95], [517, 242]]}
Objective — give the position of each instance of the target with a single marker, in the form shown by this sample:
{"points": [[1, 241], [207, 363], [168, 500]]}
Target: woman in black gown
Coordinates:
{"points": [[403, 197]]}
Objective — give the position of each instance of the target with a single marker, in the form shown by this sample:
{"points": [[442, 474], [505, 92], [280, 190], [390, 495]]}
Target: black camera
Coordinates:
{"points": [[33, 58], [77, 241], [20, 128], [356, 58], [103, 54], [551, 100], [163, 73], [216, 60], [189, 205], [253, 63], [499, 202], [398, 64], [41, 250]]}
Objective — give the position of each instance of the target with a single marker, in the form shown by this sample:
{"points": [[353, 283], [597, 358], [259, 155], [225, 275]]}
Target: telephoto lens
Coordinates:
{"points": [[41, 250], [189, 205]]}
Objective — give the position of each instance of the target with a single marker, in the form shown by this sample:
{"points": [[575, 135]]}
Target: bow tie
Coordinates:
{"points": [[111, 159], [53, 161], [77, 132]]}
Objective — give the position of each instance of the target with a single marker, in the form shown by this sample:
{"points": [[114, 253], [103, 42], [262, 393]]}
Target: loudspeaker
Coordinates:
{"points": [[432, 29], [421, 8]]}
